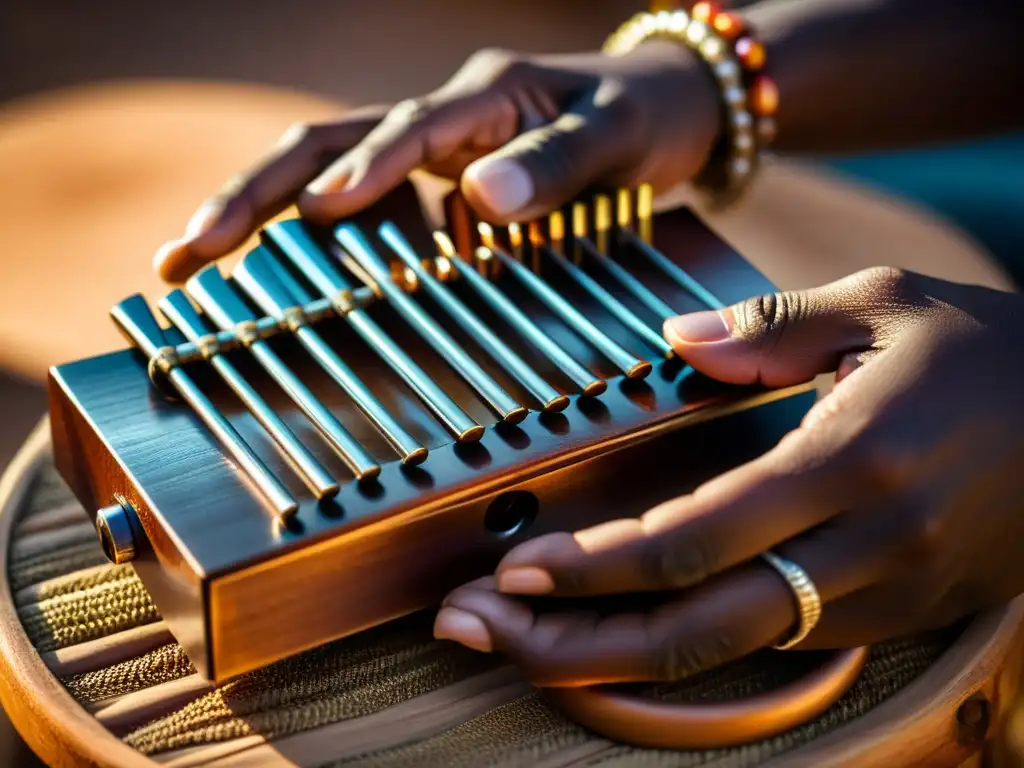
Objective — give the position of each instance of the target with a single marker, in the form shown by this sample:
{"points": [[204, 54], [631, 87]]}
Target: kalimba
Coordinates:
{"points": [[363, 416]]}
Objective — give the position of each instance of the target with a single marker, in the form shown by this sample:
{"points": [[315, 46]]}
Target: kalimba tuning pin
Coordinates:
{"points": [[355, 243], [624, 209], [515, 238], [291, 239], [645, 212], [219, 300], [556, 232], [602, 221], [483, 260], [580, 229], [135, 319], [259, 275], [179, 310], [549, 398], [443, 267], [536, 236]]}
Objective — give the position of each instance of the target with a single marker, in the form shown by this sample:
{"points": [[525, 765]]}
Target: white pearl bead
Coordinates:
{"points": [[740, 166], [727, 70], [735, 96], [712, 49], [742, 120], [744, 142], [677, 24], [696, 32]]}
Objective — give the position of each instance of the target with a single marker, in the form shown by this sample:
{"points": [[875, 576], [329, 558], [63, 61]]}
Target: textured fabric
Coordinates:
{"points": [[79, 581], [163, 665], [527, 731], [75, 599], [88, 614], [373, 671]]}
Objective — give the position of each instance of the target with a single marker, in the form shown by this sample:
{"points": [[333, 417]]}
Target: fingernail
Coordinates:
{"points": [[169, 251], [526, 581], [698, 328], [323, 185], [336, 178], [464, 628], [503, 185]]}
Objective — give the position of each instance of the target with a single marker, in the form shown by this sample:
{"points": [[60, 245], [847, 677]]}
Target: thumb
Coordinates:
{"points": [[542, 169], [788, 338]]}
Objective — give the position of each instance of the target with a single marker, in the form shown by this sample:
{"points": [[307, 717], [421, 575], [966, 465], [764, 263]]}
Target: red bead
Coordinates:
{"points": [[764, 96], [704, 12], [750, 53], [728, 25]]}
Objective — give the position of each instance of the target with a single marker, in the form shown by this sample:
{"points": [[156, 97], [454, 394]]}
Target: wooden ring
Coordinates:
{"points": [[654, 724]]}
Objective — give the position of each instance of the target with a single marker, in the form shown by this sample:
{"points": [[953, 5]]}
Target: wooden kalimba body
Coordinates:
{"points": [[362, 417]]}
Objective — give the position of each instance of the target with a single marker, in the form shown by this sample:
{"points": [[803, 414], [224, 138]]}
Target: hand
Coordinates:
{"points": [[901, 494], [524, 134]]}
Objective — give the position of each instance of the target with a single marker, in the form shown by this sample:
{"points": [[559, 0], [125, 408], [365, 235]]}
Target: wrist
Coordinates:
{"points": [[733, 58], [687, 104]]}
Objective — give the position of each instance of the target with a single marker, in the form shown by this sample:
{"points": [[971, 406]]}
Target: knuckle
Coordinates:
{"points": [[300, 135], [678, 560], [490, 57], [763, 319], [889, 283], [410, 111], [498, 64], [928, 536], [879, 461], [921, 531], [678, 656]]}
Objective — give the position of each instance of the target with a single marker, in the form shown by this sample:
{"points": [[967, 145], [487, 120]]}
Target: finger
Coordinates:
{"points": [[543, 168], [789, 338], [725, 618], [810, 476], [230, 217], [415, 133]]}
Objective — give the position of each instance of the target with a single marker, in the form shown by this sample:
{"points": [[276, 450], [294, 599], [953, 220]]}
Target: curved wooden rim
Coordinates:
{"points": [[926, 708], [62, 733], [646, 722], [48, 718]]}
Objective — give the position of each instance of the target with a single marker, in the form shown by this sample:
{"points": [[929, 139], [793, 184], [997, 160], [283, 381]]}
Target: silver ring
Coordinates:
{"points": [[808, 600]]}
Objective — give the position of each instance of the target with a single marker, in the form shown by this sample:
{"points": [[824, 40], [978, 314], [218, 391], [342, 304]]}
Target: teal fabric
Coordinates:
{"points": [[977, 186]]}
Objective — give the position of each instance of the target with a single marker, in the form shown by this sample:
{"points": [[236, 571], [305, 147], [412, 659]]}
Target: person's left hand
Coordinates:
{"points": [[901, 495]]}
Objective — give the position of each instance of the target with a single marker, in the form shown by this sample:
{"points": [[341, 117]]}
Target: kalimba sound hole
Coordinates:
{"points": [[511, 513]]}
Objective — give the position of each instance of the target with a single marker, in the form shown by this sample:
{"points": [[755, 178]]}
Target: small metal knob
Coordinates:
{"points": [[114, 526]]}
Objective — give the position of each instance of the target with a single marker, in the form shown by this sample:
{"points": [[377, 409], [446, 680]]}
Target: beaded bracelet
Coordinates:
{"points": [[750, 98]]}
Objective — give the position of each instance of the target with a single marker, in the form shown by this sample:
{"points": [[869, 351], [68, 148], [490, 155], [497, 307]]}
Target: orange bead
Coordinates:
{"points": [[764, 96], [751, 53], [727, 25], [703, 12]]}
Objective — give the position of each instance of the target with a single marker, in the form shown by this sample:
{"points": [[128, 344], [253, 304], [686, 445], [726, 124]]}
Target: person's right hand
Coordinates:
{"points": [[524, 135]]}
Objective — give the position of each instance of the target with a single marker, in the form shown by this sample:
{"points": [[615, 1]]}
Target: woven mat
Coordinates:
{"points": [[391, 696]]}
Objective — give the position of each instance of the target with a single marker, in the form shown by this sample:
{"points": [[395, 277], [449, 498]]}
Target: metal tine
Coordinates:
{"points": [[291, 239], [177, 308], [550, 398], [219, 301], [356, 245], [590, 384], [615, 307], [639, 291], [631, 365], [265, 281], [137, 322], [645, 210]]}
